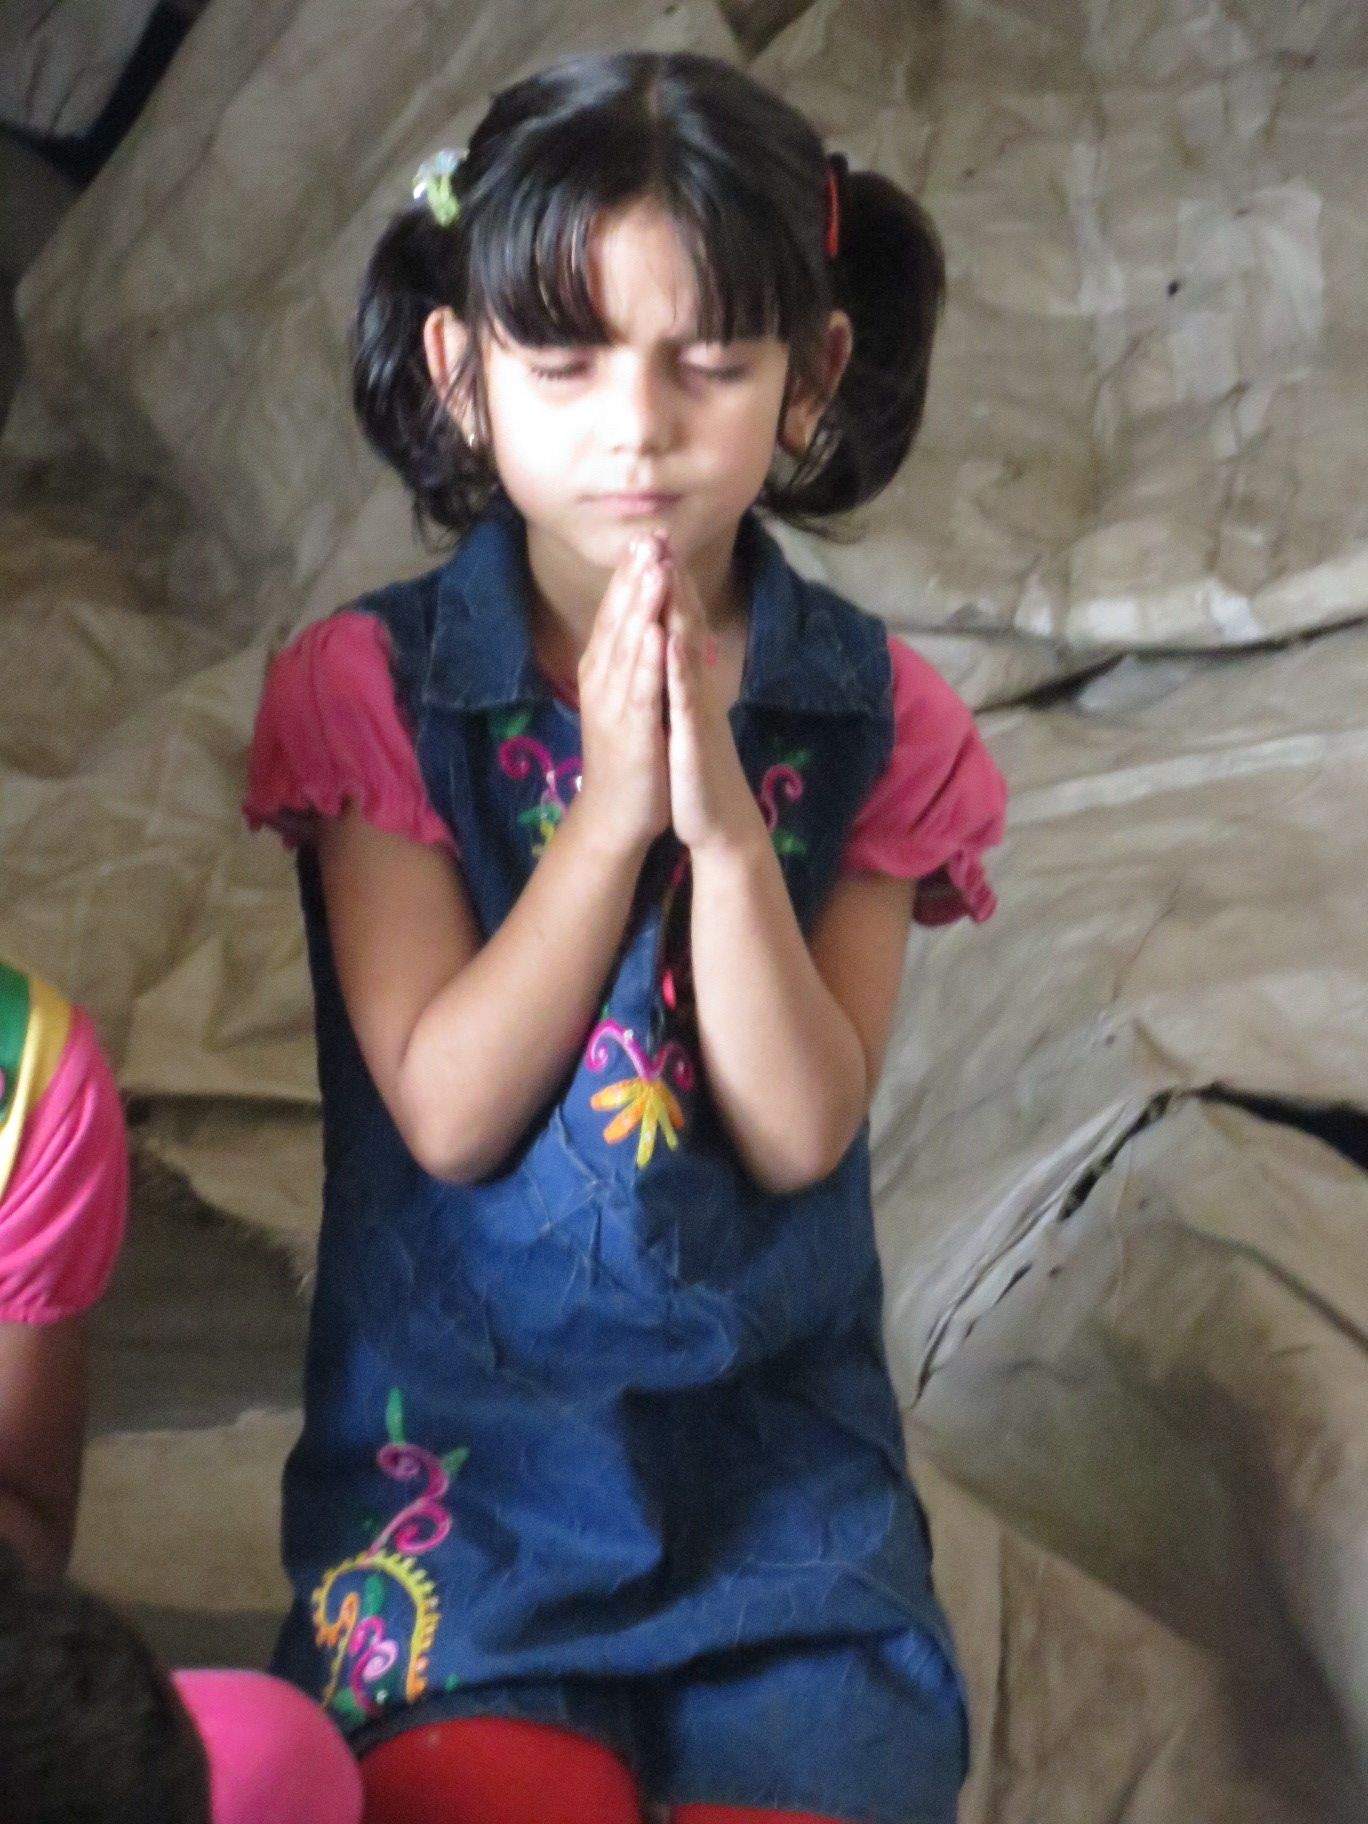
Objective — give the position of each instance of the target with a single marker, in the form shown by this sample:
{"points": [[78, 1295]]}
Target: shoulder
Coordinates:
{"points": [[64, 1205], [941, 800], [332, 728], [348, 654], [923, 700], [861, 636]]}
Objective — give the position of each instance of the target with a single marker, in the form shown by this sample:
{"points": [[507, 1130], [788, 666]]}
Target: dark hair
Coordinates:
{"points": [[743, 177], [91, 1728]]}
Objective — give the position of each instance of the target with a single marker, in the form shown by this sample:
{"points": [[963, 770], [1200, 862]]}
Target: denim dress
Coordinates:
{"points": [[607, 1439]]}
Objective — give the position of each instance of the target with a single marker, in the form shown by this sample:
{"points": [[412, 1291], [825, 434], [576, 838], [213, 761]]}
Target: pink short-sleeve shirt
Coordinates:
{"points": [[65, 1206], [330, 733]]}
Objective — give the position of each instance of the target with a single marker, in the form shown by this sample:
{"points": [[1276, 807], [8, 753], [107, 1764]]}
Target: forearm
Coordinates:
{"points": [[491, 1046], [42, 1544], [786, 1067]]}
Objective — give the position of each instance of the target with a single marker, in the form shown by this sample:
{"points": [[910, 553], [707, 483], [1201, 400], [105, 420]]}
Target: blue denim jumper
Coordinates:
{"points": [[607, 1439]]}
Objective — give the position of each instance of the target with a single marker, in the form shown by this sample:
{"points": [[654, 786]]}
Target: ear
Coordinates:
{"points": [[804, 411], [445, 339]]}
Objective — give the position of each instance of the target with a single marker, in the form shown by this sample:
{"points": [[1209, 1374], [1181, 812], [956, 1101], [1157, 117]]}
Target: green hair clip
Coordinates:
{"points": [[434, 185]]}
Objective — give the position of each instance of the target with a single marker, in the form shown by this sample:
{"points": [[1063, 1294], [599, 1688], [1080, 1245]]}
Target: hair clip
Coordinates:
{"points": [[836, 167], [433, 184]]}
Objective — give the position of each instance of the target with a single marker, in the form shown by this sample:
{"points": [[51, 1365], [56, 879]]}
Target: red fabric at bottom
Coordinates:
{"points": [[494, 1770]]}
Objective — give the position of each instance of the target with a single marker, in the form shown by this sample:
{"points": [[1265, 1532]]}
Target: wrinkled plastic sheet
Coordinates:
{"points": [[1126, 1322], [60, 64]]}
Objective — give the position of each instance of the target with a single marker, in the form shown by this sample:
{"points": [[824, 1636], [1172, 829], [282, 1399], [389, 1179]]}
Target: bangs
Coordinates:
{"points": [[530, 274]]}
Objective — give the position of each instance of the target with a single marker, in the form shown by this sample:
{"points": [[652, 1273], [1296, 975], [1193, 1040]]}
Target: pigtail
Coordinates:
{"points": [[412, 271], [889, 275]]}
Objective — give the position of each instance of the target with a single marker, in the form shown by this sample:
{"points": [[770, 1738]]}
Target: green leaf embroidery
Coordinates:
{"points": [[372, 1596], [394, 1416], [346, 1707], [453, 1460], [506, 727]]}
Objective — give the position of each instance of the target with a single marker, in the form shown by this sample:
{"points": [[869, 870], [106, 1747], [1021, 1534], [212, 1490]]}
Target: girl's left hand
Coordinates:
{"points": [[711, 802]]}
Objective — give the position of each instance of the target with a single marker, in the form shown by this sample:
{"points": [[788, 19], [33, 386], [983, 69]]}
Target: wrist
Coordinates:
{"points": [[599, 829], [739, 851]]}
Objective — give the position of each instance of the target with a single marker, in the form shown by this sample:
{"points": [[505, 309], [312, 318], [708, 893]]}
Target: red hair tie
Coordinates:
{"points": [[833, 225]]}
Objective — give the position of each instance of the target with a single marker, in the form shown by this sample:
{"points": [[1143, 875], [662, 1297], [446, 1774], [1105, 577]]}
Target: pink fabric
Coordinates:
{"points": [[274, 1756], [939, 803], [63, 1213], [330, 733]]}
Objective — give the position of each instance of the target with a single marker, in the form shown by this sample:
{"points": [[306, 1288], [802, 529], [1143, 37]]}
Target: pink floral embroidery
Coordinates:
{"points": [[783, 778], [522, 756], [645, 1100], [362, 1647]]}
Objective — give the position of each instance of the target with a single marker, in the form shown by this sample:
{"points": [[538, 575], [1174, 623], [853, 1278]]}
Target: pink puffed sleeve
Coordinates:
{"points": [[63, 1212], [329, 733], [938, 804]]}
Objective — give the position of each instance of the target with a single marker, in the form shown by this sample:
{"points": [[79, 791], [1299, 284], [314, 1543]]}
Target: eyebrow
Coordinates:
{"points": [[673, 344]]}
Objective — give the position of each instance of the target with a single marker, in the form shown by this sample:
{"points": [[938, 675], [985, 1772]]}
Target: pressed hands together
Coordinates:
{"points": [[657, 746], [786, 1068], [467, 1037]]}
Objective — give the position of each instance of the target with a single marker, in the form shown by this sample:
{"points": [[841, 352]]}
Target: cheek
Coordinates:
{"points": [[529, 440], [745, 437]]}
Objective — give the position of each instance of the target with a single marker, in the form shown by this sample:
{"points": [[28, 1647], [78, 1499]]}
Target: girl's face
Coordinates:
{"points": [[595, 445]]}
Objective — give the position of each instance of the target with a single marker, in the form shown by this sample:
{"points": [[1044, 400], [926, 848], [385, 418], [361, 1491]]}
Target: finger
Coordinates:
{"points": [[631, 637], [679, 669], [698, 631], [690, 631], [651, 591], [617, 600], [648, 677]]}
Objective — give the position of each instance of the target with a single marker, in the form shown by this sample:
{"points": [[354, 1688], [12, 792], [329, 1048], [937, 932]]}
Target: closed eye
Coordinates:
{"points": [[566, 372], [693, 370]]}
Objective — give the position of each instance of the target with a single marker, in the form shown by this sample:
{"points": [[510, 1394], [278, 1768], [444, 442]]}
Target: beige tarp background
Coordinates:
{"points": [[1128, 1322]]}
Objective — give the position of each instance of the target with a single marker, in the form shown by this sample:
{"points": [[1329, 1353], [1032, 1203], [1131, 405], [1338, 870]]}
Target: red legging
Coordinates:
{"points": [[491, 1770]]}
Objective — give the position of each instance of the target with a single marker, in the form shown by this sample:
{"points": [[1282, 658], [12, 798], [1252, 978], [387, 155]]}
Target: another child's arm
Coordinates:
{"points": [[42, 1432], [63, 1208], [465, 1041]]}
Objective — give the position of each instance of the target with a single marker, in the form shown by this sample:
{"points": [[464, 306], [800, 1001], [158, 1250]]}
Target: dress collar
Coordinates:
{"points": [[482, 657]]}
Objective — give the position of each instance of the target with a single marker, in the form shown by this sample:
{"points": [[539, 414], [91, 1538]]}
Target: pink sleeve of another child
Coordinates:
{"points": [[939, 803], [329, 733], [63, 1212], [274, 1756]]}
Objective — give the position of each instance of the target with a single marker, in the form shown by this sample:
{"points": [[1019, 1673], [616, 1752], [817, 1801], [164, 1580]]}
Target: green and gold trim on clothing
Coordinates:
{"points": [[35, 1022]]}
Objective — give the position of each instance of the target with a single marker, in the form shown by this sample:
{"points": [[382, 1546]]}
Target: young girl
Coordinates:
{"points": [[611, 831], [90, 1725]]}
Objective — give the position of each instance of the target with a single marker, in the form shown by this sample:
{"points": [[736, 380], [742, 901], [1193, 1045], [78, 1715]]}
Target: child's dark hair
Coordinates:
{"points": [[91, 1728], [744, 178]]}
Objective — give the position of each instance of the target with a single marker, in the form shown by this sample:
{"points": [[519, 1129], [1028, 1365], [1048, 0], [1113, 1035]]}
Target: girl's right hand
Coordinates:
{"points": [[625, 774]]}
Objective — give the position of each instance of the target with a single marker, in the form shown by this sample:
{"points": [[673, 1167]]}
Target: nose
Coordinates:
{"points": [[638, 412]]}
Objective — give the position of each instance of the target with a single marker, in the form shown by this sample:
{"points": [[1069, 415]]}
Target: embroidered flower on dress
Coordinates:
{"points": [[645, 1100], [522, 756], [363, 1650]]}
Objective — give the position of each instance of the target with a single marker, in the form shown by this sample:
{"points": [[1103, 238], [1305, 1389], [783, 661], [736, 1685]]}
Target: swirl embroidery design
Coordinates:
{"points": [[522, 756], [784, 779], [366, 1673]]}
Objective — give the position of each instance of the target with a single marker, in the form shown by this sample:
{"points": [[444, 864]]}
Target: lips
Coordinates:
{"points": [[641, 500]]}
